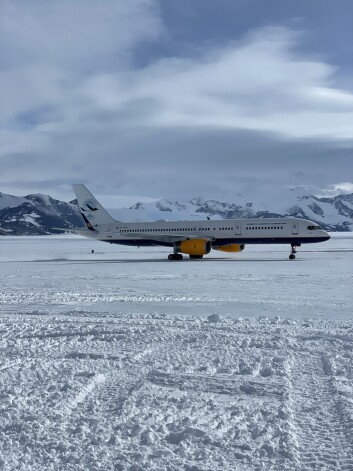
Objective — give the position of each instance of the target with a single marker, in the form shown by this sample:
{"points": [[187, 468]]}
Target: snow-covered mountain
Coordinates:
{"points": [[36, 215], [333, 214], [39, 214]]}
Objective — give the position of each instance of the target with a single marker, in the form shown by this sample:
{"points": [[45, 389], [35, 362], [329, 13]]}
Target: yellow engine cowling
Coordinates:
{"points": [[194, 246], [230, 248]]}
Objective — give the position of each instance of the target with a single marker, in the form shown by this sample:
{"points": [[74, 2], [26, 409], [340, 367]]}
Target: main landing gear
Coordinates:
{"points": [[293, 252], [175, 256], [178, 256]]}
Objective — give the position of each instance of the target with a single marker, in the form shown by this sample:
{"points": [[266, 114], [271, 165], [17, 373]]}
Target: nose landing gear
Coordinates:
{"points": [[293, 252]]}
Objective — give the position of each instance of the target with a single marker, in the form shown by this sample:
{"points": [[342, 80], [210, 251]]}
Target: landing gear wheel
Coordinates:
{"points": [[293, 252], [195, 256], [175, 256]]}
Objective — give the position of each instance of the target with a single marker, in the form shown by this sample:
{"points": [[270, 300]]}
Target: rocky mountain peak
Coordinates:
{"points": [[38, 214]]}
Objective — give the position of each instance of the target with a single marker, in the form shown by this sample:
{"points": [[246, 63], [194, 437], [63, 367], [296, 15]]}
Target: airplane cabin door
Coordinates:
{"points": [[295, 228], [238, 229]]}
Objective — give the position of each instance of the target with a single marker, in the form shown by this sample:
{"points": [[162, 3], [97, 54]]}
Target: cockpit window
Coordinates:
{"points": [[313, 228]]}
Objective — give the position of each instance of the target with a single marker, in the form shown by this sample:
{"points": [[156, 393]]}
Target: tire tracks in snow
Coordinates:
{"points": [[318, 434], [123, 383]]}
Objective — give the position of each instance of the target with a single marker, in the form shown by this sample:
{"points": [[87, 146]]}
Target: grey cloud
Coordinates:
{"points": [[327, 25], [84, 35], [171, 164], [250, 112]]}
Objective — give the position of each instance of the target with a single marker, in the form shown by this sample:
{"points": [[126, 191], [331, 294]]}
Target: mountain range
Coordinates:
{"points": [[36, 215], [40, 214]]}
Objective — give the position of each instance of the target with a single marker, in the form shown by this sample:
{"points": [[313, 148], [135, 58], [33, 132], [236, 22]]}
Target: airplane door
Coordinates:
{"points": [[238, 229], [295, 228]]}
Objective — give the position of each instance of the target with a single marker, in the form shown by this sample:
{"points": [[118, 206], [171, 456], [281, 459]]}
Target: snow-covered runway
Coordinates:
{"points": [[122, 360]]}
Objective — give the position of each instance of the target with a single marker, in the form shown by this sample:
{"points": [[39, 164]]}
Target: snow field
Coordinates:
{"points": [[157, 392], [121, 360], [54, 272]]}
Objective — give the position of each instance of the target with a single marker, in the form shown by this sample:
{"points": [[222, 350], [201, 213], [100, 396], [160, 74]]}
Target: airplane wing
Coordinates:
{"points": [[168, 238]]}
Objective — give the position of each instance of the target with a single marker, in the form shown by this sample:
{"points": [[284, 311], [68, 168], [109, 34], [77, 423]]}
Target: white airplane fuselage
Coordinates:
{"points": [[195, 238], [222, 232]]}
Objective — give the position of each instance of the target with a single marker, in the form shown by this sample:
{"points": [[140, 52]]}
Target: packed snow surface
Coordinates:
{"points": [[122, 360]]}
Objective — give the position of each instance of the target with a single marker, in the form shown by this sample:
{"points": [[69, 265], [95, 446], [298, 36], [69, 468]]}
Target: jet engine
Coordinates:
{"points": [[230, 248], [194, 246]]}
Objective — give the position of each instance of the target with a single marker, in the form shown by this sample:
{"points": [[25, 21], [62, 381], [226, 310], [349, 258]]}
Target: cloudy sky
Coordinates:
{"points": [[146, 99]]}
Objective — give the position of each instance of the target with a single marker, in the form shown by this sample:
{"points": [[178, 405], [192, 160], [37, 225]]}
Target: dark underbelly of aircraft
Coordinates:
{"points": [[219, 242]]}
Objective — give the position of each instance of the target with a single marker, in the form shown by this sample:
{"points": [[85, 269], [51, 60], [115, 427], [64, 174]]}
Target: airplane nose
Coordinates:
{"points": [[326, 235]]}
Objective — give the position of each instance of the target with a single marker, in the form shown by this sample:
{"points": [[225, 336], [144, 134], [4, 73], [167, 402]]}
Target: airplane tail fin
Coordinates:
{"points": [[92, 211]]}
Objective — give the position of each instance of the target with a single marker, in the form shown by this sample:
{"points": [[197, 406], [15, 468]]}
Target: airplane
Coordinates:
{"points": [[194, 238]]}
